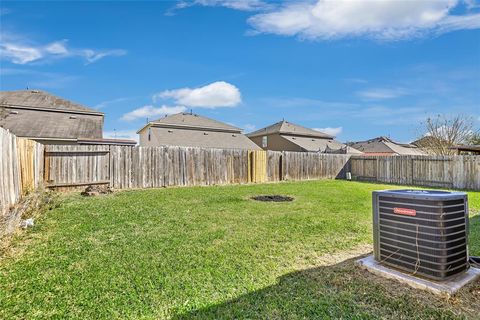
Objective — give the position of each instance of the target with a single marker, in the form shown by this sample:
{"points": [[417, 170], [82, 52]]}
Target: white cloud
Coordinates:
{"points": [[331, 131], [19, 54], [57, 47], [93, 56], [243, 5], [21, 51], [217, 94], [150, 111], [121, 134], [382, 93], [383, 20]]}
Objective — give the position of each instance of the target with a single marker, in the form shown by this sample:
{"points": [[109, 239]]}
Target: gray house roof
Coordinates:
{"points": [[39, 100], [192, 121], [287, 128], [38, 114], [384, 145], [321, 145], [193, 130]]}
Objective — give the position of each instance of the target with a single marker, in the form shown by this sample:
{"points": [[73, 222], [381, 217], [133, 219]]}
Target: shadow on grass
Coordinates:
{"points": [[341, 290]]}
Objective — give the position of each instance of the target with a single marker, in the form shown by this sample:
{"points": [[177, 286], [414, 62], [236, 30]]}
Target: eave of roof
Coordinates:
{"points": [[107, 141], [11, 106]]}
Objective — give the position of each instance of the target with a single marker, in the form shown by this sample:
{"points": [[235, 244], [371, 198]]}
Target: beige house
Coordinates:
{"points": [[192, 130], [48, 119], [287, 136]]}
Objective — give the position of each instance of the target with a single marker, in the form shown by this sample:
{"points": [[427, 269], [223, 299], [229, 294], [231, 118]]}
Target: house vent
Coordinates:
{"points": [[13, 112], [421, 232], [73, 117]]}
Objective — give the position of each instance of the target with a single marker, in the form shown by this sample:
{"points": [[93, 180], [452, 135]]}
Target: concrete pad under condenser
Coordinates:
{"points": [[444, 288]]}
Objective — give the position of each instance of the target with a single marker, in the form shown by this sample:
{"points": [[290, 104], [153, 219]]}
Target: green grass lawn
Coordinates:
{"points": [[211, 252]]}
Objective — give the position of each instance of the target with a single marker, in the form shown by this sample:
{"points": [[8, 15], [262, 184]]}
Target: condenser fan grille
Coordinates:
{"points": [[421, 233]]}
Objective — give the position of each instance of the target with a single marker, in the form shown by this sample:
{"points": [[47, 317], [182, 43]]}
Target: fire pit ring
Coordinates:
{"points": [[273, 198]]}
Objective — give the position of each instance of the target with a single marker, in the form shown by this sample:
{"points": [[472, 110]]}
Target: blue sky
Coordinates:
{"points": [[356, 69]]}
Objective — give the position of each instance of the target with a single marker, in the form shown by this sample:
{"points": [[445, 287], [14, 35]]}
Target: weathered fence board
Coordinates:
{"points": [[10, 178], [21, 171], [153, 167], [309, 165], [459, 172], [30, 155], [73, 165], [274, 166]]}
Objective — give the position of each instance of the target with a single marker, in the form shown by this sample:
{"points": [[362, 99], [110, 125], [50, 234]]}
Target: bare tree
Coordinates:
{"points": [[475, 139], [442, 132]]}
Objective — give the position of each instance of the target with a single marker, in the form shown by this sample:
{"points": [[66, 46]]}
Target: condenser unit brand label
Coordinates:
{"points": [[405, 211]]}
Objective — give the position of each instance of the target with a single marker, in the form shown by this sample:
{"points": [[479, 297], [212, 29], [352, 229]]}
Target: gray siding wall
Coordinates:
{"points": [[276, 143]]}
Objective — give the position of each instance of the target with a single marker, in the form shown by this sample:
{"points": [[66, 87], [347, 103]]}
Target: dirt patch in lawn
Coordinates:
{"points": [[273, 198]]}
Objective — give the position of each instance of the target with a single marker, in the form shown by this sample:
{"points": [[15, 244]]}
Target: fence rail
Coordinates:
{"points": [[456, 172]]}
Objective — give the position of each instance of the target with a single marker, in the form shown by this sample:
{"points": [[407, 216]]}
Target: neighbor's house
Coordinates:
{"points": [[192, 130], [48, 119], [383, 146], [287, 136]]}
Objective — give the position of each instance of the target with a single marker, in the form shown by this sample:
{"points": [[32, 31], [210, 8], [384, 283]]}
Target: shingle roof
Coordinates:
{"points": [[40, 99], [320, 145], [285, 127], [385, 145], [200, 138], [192, 120]]}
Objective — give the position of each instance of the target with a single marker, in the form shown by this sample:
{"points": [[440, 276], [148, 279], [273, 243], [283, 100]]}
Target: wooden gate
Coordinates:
{"points": [[72, 165], [257, 166]]}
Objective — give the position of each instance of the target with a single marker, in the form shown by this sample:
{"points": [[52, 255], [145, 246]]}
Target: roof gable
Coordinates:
{"points": [[288, 128], [36, 99], [193, 121]]}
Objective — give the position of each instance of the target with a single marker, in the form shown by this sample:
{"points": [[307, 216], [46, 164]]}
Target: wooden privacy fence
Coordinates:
{"points": [[457, 172], [124, 167], [152, 167], [21, 171], [73, 165]]}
